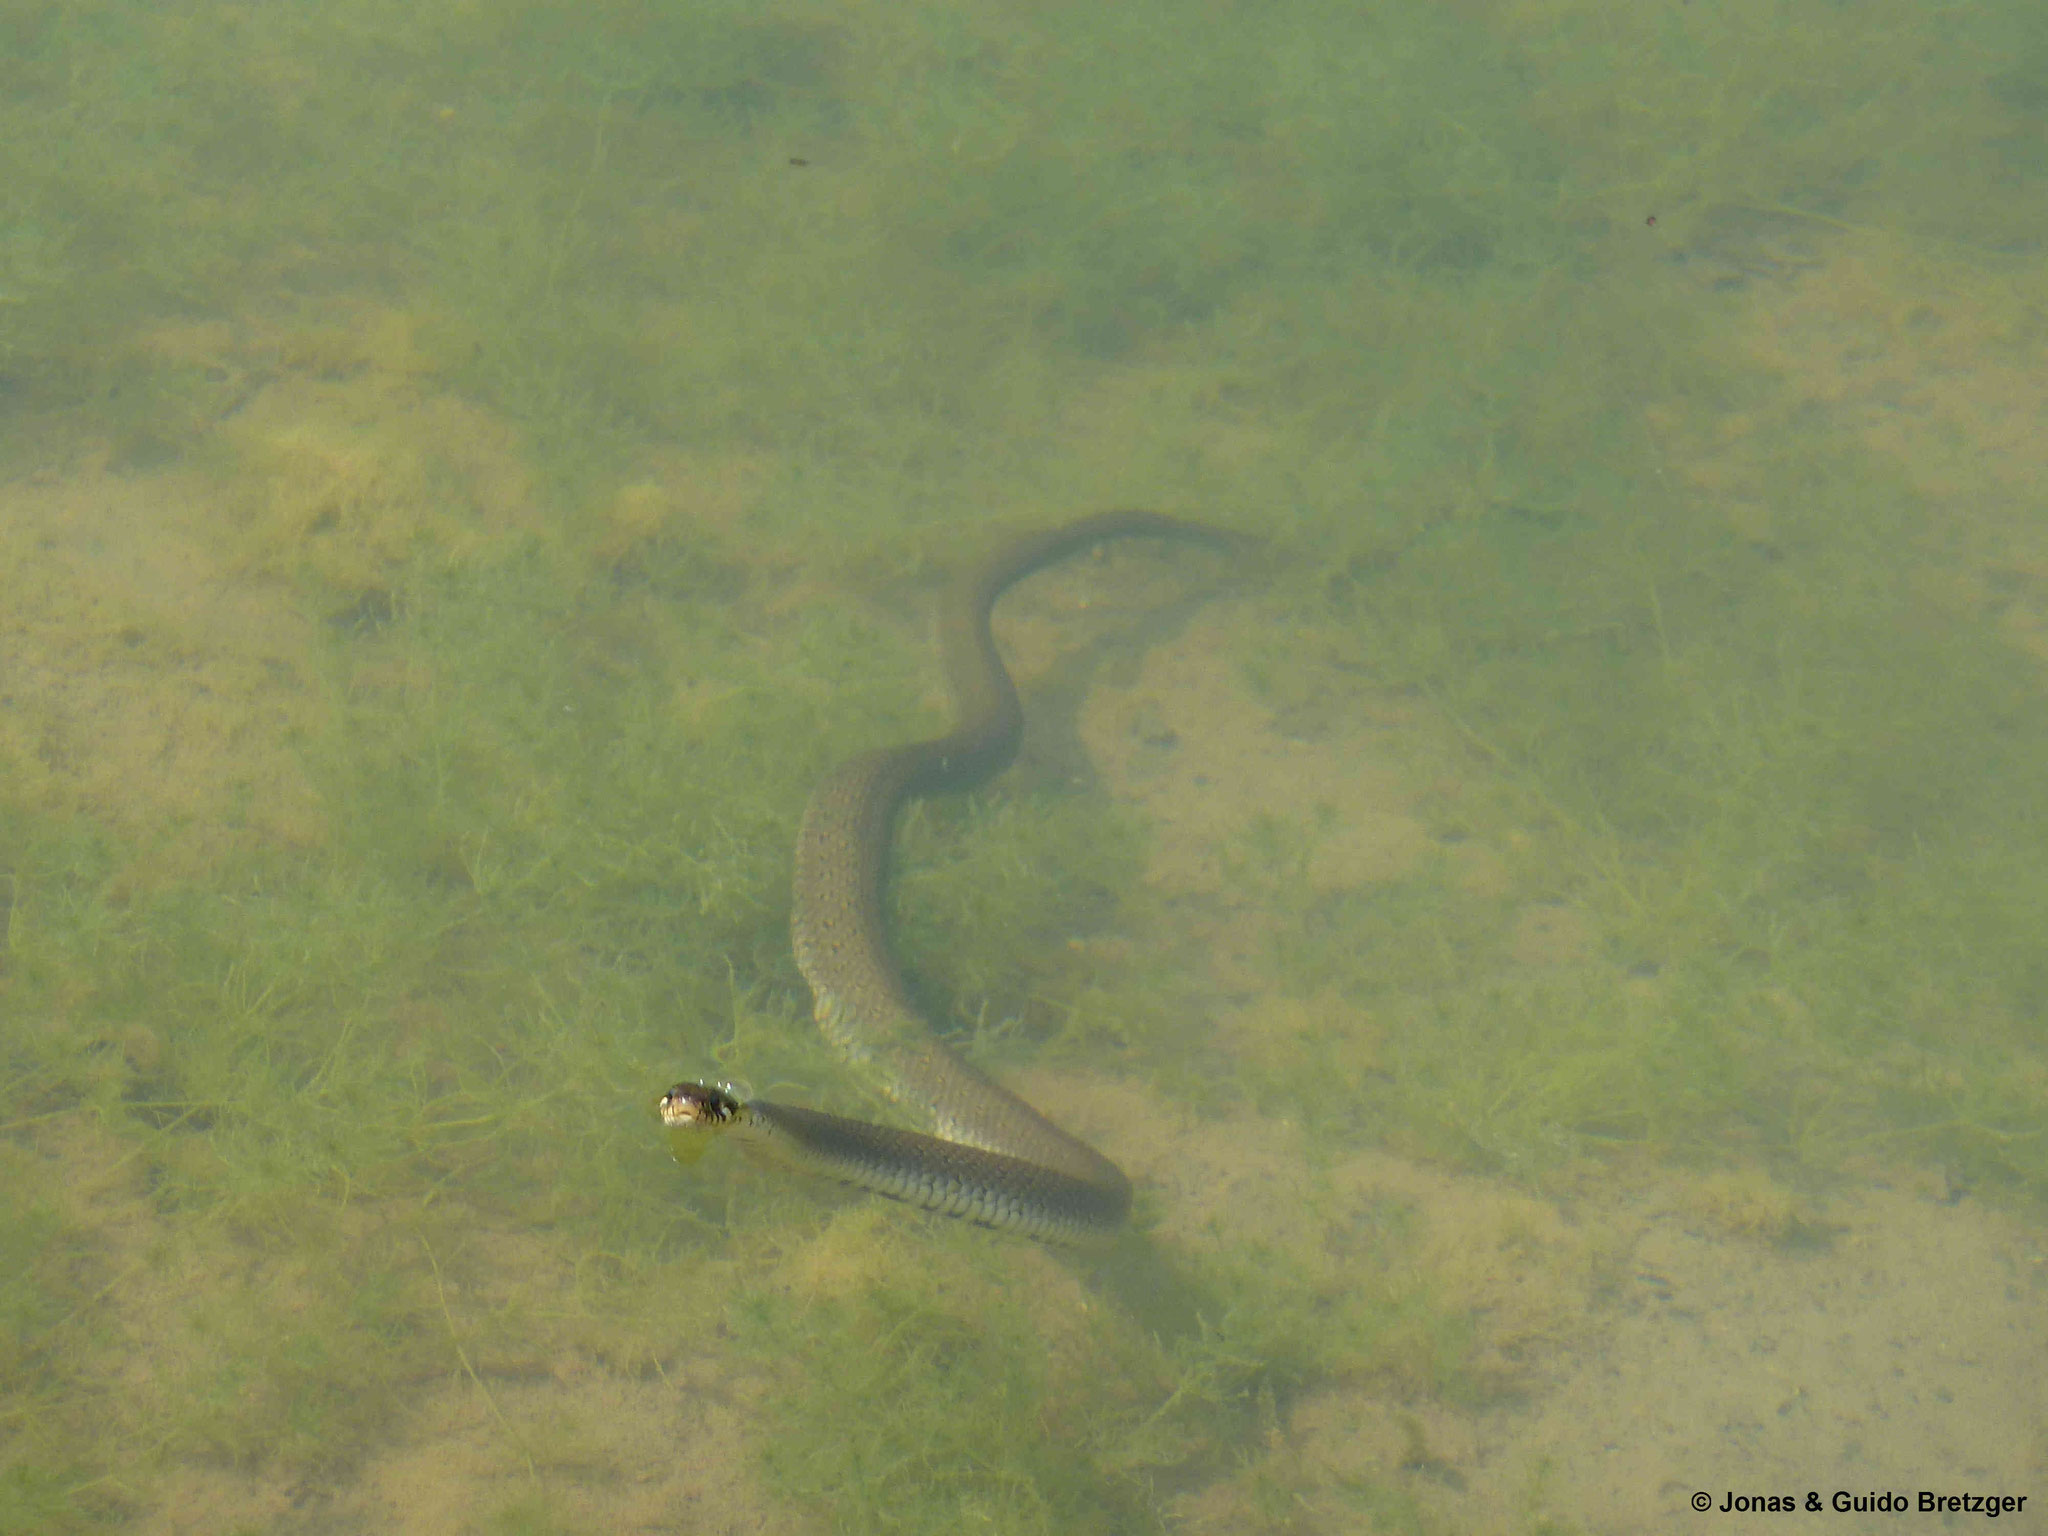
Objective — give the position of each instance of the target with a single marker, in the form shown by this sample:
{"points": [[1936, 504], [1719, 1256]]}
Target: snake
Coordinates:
{"points": [[979, 1152]]}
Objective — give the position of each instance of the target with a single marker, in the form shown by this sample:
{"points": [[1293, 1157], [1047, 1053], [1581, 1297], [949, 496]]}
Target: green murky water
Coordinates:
{"points": [[1558, 945]]}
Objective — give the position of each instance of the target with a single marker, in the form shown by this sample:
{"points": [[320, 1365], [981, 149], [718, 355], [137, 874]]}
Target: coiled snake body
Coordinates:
{"points": [[982, 1153]]}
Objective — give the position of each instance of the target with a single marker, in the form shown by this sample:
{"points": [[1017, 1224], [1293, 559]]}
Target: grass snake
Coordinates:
{"points": [[982, 1153]]}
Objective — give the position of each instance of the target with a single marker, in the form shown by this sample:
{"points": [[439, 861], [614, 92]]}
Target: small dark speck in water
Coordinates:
{"points": [[366, 615]]}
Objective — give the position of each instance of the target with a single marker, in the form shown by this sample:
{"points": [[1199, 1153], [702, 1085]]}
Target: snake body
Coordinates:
{"points": [[982, 1153]]}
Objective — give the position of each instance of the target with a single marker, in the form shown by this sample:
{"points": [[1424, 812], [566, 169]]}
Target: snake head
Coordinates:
{"points": [[697, 1104], [692, 1113]]}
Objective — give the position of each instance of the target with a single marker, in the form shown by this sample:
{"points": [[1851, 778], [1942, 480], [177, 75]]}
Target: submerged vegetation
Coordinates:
{"points": [[468, 469]]}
